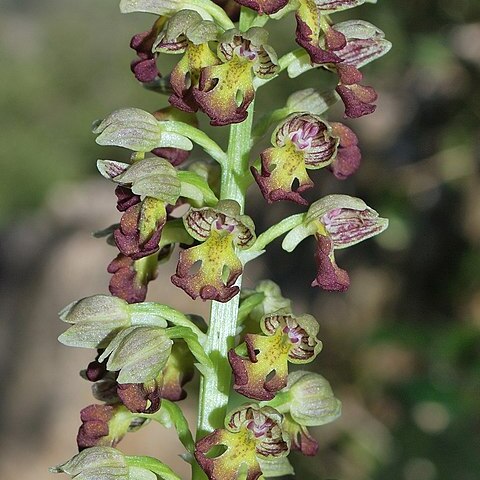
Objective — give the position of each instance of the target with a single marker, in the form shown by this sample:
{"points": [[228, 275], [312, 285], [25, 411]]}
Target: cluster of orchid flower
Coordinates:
{"points": [[147, 351]]}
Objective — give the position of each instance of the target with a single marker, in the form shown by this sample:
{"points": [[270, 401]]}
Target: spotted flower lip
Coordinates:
{"points": [[264, 370], [251, 434], [188, 33], [336, 221], [302, 141], [225, 91], [210, 270]]}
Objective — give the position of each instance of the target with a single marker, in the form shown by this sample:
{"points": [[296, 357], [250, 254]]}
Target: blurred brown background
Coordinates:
{"points": [[401, 346]]}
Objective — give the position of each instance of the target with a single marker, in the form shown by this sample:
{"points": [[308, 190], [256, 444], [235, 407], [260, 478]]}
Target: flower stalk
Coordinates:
{"points": [[148, 351], [215, 385]]}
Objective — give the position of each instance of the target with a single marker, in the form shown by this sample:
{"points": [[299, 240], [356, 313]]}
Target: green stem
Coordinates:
{"points": [[276, 231], [168, 313], [198, 137], [215, 386]]}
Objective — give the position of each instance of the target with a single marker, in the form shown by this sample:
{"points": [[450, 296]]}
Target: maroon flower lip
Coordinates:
{"points": [[225, 90], [127, 282], [255, 432], [302, 141], [210, 270], [264, 371]]}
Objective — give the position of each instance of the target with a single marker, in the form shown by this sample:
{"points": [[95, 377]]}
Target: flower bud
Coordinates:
{"points": [[96, 463], [95, 321], [138, 353], [137, 130], [311, 399]]}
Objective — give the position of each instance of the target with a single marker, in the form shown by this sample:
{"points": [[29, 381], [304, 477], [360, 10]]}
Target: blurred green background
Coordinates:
{"points": [[401, 346]]}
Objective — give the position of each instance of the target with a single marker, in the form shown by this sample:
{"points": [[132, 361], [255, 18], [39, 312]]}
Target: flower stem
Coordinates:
{"points": [[276, 231], [198, 137], [215, 385]]}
